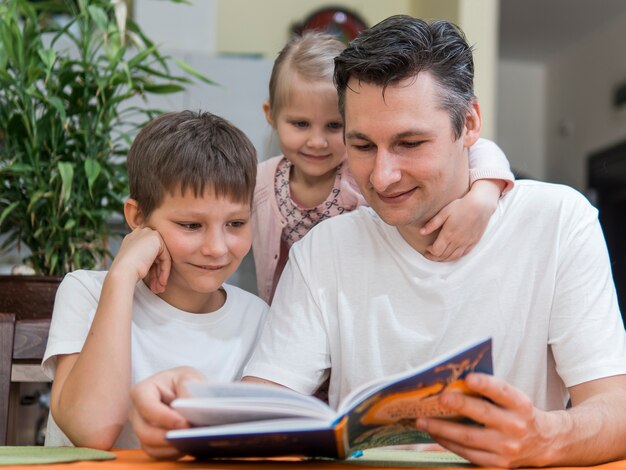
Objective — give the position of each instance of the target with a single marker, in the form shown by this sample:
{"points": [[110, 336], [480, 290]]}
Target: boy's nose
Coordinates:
{"points": [[214, 244]]}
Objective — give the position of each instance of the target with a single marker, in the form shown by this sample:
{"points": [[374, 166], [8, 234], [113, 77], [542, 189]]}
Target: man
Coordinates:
{"points": [[358, 296]]}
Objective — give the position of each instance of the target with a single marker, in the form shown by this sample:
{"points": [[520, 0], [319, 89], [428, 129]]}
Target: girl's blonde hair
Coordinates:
{"points": [[311, 56]]}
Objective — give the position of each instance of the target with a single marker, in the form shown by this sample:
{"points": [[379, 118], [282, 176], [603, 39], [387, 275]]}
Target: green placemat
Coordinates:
{"points": [[30, 455], [408, 458]]}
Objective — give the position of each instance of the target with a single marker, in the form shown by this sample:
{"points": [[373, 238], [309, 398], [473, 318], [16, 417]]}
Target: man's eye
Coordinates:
{"points": [[412, 144], [363, 147]]}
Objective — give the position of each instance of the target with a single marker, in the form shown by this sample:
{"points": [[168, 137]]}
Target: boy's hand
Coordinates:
{"points": [[143, 252], [151, 416], [463, 221]]}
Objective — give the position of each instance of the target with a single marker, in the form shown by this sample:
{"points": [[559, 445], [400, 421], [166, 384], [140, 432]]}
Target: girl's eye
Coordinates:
{"points": [[335, 125], [301, 124], [189, 226]]}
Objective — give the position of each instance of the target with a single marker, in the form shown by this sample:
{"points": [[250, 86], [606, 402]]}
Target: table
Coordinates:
{"points": [[138, 460]]}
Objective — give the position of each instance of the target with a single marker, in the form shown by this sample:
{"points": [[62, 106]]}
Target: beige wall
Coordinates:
{"points": [[251, 27], [262, 27]]}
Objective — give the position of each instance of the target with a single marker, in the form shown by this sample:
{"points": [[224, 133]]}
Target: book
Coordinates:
{"points": [[249, 419]]}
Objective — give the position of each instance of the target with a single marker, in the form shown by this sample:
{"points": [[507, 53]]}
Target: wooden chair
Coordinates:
{"points": [[23, 338], [22, 346]]}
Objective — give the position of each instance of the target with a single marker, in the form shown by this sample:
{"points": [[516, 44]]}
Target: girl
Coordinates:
{"points": [[310, 182]]}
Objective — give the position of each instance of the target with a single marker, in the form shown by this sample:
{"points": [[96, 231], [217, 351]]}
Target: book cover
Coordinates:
{"points": [[257, 420]]}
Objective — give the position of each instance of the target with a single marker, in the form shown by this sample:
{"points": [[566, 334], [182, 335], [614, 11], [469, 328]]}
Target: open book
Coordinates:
{"points": [[246, 419]]}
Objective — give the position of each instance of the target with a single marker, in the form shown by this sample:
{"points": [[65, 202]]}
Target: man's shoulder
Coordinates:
{"points": [[344, 233], [547, 194], [348, 222]]}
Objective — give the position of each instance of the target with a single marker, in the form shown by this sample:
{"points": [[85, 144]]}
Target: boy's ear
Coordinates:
{"points": [[267, 110], [132, 213], [473, 125]]}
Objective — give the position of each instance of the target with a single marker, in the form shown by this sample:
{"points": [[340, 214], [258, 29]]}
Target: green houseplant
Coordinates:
{"points": [[68, 109]]}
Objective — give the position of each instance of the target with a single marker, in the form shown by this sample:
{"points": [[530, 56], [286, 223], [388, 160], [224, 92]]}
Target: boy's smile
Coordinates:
{"points": [[207, 237]]}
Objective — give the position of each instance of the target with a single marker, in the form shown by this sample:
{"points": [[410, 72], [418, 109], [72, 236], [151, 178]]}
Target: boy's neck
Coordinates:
{"points": [[199, 303]]}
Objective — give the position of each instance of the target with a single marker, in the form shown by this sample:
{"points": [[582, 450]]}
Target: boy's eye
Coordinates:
{"points": [[236, 223], [189, 226], [335, 125]]}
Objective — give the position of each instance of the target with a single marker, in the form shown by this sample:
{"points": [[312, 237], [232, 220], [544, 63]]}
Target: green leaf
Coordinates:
{"points": [[19, 168], [48, 56], [163, 89], [98, 16], [58, 105], [190, 70], [8, 210], [70, 224], [92, 170], [66, 170]]}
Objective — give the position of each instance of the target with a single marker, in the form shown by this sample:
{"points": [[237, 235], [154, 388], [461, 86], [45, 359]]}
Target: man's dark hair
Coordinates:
{"points": [[402, 46], [188, 150]]}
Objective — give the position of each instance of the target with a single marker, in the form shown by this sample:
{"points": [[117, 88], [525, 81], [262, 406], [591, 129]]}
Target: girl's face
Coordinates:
{"points": [[310, 129]]}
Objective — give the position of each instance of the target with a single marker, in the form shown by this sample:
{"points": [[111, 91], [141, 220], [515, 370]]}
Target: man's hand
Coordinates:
{"points": [[151, 416], [143, 252], [514, 432]]}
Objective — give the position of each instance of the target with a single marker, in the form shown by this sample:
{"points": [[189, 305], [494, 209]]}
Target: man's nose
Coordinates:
{"points": [[386, 171]]}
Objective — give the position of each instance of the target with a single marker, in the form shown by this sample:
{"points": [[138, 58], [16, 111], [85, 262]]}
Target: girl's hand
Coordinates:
{"points": [[463, 221], [143, 252]]}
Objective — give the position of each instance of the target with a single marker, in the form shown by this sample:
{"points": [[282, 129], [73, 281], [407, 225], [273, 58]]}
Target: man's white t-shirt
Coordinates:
{"points": [[218, 344], [357, 298]]}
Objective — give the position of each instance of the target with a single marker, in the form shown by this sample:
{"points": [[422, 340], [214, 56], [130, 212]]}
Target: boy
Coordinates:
{"points": [[163, 300]]}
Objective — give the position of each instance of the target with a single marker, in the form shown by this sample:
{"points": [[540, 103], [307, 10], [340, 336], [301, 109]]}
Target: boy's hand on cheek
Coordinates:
{"points": [[143, 252]]}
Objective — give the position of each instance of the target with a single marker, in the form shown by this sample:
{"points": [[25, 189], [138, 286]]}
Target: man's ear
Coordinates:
{"points": [[133, 214], [473, 125], [267, 110]]}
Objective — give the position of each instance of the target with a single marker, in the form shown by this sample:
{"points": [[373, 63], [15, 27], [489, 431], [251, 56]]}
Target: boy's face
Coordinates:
{"points": [[207, 237]]}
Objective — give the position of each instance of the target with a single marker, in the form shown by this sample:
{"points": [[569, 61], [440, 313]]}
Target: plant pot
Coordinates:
{"points": [[29, 297]]}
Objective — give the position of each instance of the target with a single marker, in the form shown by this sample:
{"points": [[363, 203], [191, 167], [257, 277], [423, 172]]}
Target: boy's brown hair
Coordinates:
{"points": [[190, 151]]}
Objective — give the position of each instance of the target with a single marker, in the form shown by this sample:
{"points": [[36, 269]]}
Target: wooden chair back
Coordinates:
{"points": [[23, 337]]}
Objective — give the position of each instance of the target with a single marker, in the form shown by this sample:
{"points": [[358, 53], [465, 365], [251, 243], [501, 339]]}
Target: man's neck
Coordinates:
{"points": [[419, 242]]}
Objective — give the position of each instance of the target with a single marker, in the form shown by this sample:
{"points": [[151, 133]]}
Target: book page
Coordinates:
{"points": [[212, 404]]}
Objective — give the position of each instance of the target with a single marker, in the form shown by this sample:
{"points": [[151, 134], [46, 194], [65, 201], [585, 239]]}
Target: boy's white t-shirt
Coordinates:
{"points": [[218, 343]]}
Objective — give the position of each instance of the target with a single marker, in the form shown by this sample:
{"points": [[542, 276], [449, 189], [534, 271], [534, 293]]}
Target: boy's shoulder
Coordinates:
{"points": [[86, 278], [241, 298]]}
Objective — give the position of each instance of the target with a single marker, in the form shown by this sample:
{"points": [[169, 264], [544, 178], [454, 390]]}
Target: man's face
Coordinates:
{"points": [[402, 150]]}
